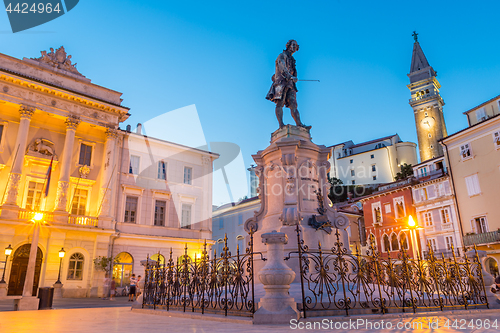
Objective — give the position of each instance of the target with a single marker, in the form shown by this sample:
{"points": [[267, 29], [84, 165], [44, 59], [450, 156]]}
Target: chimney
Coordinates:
{"points": [[139, 128]]}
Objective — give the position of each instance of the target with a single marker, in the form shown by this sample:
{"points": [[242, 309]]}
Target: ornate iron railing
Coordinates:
{"points": [[222, 284], [483, 238], [335, 281], [83, 220]]}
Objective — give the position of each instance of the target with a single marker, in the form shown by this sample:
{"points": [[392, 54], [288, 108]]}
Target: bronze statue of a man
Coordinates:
{"points": [[283, 90]]}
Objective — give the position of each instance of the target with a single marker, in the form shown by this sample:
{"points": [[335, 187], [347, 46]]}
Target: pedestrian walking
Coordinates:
{"points": [[112, 289], [133, 284], [138, 287]]}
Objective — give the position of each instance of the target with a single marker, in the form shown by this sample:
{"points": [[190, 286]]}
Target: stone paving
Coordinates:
{"points": [[123, 320]]}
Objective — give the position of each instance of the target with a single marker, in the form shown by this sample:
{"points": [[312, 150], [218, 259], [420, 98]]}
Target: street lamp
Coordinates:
{"points": [[412, 225], [61, 256], [8, 251]]}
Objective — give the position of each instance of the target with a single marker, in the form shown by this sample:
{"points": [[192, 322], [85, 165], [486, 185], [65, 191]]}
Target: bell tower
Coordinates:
{"points": [[427, 104]]}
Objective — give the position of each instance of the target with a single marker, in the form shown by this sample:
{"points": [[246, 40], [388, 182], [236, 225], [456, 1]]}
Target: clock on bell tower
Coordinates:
{"points": [[427, 104]]}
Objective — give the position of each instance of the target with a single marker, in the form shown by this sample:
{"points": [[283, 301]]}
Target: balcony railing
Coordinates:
{"points": [[484, 238], [83, 220], [26, 214], [432, 174]]}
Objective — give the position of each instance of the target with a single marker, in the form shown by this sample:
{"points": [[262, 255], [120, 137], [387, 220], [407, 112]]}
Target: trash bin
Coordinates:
{"points": [[46, 295]]}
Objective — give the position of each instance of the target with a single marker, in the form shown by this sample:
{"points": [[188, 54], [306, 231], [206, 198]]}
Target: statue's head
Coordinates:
{"points": [[292, 45]]}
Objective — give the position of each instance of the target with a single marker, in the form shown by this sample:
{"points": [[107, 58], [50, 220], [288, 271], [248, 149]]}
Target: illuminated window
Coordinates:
{"points": [[445, 215], [122, 269], [75, 267], [403, 240], [79, 204], [428, 219], [34, 195]]}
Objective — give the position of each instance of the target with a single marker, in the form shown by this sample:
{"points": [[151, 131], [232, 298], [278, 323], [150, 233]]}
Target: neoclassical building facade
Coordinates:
{"points": [[104, 192]]}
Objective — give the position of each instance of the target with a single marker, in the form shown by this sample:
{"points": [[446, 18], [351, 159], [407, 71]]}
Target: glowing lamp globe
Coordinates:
{"points": [[411, 222]]}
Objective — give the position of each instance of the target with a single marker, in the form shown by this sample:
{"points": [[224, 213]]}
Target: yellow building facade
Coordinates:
{"points": [[103, 199]]}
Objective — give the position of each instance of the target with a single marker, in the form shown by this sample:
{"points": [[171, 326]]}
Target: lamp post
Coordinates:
{"points": [[412, 225], [8, 251], [61, 256]]}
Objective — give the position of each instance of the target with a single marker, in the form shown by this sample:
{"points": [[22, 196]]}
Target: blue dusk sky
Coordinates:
{"points": [[219, 56]]}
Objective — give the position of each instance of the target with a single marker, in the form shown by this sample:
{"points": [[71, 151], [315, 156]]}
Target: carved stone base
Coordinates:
{"points": [[61, 217], [57, 290], [26, 303], [13, 188], [10, 212]]}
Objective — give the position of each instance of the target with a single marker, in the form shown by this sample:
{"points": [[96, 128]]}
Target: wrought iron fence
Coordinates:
{"points": [[335, 281], [221, 284]]}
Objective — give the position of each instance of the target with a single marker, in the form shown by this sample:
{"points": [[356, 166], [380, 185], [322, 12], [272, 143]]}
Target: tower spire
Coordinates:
{"points": [[418, 59]]}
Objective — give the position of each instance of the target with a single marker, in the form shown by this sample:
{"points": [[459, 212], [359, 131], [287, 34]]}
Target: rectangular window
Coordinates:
{"points": [[374, 168], [481, 114], [353, 182], [134, 165], [445, 215], [428, 219], [472, 183], [221, 223], [496, 138], [479, 225], [160, 208], [351, 161], [372, 156], [188, 174], [352, 173], [423, 194], [422, 171], [162, 170], [1, 132], [85, 154], [433, 244], [34, 195], [131, 209], [186, 216], [374, 177], [79, 204], [465, 151], [449, 242], [377, 212], [240, 219]]}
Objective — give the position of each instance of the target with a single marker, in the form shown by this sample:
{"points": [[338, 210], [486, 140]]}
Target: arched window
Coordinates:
{"points": [[373, 241], [387, 244], [394, 242], [241, 244], [122, 269], [158, 257], [75, 267], [403, 240]]}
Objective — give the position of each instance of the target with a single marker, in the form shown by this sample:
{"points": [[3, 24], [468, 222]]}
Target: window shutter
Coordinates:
{"points": [[447, 188], [473, 224], [416, 195], [470, 185], [431, 191], [481, 114], [475, 182]]}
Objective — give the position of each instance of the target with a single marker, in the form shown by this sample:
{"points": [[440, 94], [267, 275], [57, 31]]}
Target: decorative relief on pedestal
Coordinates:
{"points": [[62, 195], [13, 188], [26, 111], [290, 216], [251, 225], [58, 59], [42, 148], [320, 222], [72, 122]]}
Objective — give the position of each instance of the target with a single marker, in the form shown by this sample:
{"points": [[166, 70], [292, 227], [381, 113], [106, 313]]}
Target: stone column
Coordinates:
{"points": [[488, 279], [19, 151], [277, 306], [107, 173], [63, 184]]}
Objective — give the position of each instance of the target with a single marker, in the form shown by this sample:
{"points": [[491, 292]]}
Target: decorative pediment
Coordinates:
{"points": [[58, 59], [42, 148]]}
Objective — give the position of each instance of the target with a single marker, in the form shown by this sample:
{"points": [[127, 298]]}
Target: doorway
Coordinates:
{"points": [[19, 268]]}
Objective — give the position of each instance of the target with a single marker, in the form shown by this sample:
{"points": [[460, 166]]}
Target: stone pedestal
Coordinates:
{"points": [[10, 212], [26, 303], [3, 290], [488, 279], [292, 170], [57, 290], [277, 306]]}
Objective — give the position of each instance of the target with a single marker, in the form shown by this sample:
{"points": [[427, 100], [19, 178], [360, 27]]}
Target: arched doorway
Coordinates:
{"points": [[122, 269], [492, 266], [19, 268]]}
